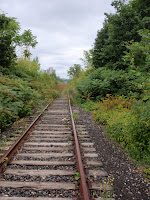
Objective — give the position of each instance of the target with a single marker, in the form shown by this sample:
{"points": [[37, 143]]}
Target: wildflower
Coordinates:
{"points": [[94, 112]]}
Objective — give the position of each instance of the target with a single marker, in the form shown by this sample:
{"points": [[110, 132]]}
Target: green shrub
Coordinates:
{"points": [[6, 118], [22, 89], [140, 131], [127, 122], [105, 81]]}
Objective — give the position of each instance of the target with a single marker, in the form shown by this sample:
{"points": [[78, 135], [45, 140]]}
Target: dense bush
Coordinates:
{"points": [[16, 99], [23, 88], [140, 131], [127, 122], [105, 81]]}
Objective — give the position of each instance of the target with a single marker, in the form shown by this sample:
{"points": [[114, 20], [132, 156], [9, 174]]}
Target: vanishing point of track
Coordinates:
{"points": [[53, 159]]}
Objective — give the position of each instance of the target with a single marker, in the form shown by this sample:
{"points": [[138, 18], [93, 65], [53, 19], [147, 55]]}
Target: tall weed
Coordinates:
{"points": [[127, 122]]}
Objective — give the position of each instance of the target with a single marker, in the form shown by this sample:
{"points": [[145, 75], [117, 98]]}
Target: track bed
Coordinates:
{"points": [[45, 166]]}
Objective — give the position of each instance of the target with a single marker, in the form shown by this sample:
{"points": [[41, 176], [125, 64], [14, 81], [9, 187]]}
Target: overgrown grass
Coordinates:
{"points": [[22, 88]]}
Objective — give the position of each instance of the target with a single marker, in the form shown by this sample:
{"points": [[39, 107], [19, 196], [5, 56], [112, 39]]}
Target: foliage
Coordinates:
{"points": [[22, 85], [9, 28], [75, 116], [87, 105], [106, 106], [103, 81], [26, 39], [138, 54], [118, 28], [117, 89], [10, 38], [126, 121], [147, 172], [100, 54], [140, 131], [16, 100], [76, 176], [31, 67], [23, 88], [74, 71], [142, 7], [88, 61]]}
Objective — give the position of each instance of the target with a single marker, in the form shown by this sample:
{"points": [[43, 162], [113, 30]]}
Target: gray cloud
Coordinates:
{"points": [[64, 28]]}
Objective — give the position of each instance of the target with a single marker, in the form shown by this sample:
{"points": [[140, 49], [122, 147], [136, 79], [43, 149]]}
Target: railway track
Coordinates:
{"points": [[57, 160]]}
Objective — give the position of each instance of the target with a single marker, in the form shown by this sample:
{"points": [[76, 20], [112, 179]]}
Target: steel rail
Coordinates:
{"points": [[6, 158], [83, 183]]}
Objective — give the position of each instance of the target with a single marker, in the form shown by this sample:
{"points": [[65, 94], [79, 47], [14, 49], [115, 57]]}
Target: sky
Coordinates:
{"points": [[64, 28]]}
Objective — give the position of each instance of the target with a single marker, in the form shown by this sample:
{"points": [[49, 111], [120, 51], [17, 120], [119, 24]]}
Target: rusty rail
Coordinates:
{"points": [[6, 158], [83, 184]]}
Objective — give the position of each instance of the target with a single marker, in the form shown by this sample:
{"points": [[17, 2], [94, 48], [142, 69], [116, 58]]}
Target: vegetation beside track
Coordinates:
{"points": [[23, 89], [115, 84], [23, 86]]}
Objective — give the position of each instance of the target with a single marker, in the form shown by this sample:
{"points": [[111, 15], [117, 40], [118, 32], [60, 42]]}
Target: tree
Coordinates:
{"points": [[10, 38], [138, 53], [74, 71], [27, 39], [100, 57], [9, 29], [88, 60], [118, 29], [141, 7]]}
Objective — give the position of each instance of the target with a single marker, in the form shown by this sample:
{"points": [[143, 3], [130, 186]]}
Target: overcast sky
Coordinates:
{"points": [[64, 28]]}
